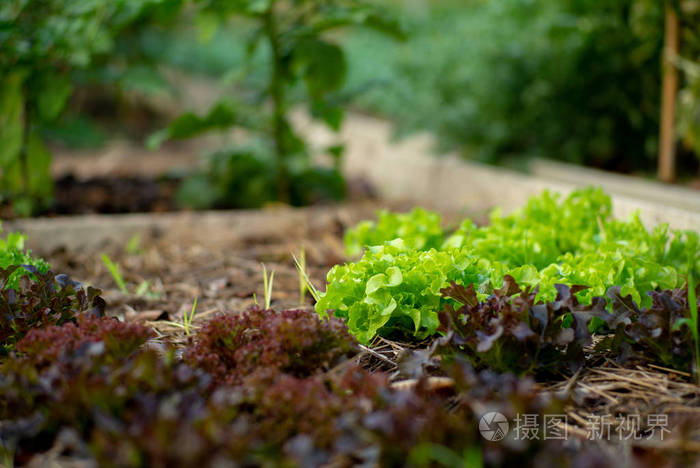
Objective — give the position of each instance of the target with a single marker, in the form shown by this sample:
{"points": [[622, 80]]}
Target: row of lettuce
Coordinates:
{"points": [[399, 285], [260, 388]]}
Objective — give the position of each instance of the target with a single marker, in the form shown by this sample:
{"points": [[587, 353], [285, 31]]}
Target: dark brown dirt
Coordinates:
{"points": [[114, 195]]}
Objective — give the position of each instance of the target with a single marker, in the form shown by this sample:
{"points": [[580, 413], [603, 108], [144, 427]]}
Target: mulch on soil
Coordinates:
{"points": [[224, 276]]}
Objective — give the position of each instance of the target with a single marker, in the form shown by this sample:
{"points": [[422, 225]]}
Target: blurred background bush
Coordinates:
{"points": [[500, 81], [575, 80]]}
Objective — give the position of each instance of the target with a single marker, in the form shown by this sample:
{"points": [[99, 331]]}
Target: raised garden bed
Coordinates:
{"points": [[258, 385]]}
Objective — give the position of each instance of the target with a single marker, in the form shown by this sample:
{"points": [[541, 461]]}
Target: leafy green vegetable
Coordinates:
{"points": [[395, 289], [232, 347], [13, 254], [507, 331], [570, 241], [543, 229], [419, 229], [124, 403], [576, 241], [43, 300], [664, 332]]}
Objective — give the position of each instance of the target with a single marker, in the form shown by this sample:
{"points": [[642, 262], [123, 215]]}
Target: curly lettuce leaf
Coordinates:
{"points": [[13, 253], [419, 229], [394, 289]]}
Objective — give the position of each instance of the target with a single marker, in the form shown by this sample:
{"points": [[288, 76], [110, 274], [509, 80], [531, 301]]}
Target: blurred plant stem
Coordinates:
{"points": [[279, 103]]}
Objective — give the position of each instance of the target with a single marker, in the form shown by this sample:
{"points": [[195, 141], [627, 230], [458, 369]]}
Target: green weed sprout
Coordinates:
{"points": [[133, 246], [267, 285], [301, 266], [142, 290], [186, 320], [113, 269], [304, 281]]}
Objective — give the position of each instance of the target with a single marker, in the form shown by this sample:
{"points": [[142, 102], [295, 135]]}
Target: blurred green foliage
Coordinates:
{"points": [[43, 43], [689, 64], [499, 80], [290, 58], [575, 80]]}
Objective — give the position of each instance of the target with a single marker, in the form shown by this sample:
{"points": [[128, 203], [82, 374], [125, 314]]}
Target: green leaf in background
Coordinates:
{"points": [[208, 24], [360, 14], [29, 190], [197, 192], [316, 184], [144, 80], [239, 178], [56, 89], [221, 116], [12, 182], [40, 183], [323, 65], [332, 115], [76, 131], [258, 6], [336, 151], [385, 23], [11, 117]]}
